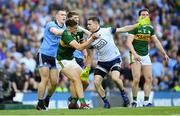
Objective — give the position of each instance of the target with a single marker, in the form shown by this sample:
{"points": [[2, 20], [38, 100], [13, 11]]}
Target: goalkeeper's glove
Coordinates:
{"points": [[85, 74], [145, 21]]}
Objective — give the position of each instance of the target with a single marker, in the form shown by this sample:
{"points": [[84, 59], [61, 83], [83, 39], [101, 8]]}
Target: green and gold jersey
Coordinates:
{"points": [[65, 51], [142, 36]]}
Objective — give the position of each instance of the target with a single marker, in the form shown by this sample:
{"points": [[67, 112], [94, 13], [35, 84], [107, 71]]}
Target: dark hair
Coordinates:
{"points": [[96, 19], [71, 14], [144, 9], [71, 23]]}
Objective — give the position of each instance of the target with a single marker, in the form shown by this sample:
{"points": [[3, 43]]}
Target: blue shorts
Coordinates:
{"points": [[46, 61]]}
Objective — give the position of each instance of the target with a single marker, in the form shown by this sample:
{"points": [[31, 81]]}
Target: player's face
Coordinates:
{"points": [[92, 25], [73, 29], [61, 16], [76, 18], [144, 14]]}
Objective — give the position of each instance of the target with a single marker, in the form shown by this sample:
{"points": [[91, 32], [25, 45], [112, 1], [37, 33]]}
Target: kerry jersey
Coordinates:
{"points": [[65, 51], [142, 36]]}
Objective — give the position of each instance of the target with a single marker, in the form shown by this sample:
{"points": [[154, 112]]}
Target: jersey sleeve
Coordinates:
{"points": [[67, 37], [81, 33], [133, 32], [49, 25], [113, 30], [152, 30]]}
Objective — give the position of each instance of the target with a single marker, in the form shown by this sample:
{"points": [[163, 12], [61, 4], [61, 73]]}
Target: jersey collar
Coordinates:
{"points": [[58, 25], [97, 30]]}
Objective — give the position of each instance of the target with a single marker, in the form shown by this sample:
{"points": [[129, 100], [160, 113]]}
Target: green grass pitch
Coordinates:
{"points": [[99, 111]]}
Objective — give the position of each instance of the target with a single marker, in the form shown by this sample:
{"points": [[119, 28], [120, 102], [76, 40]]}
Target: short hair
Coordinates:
{"points": [[71, 14], [71, 23], [96, 19], [144, 9]]}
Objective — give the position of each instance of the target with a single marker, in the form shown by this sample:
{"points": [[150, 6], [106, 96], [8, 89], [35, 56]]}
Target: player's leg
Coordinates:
{"points": [[54, 79], [43, 63], [98, 78], [136, 73], [44, 73], [74, 76], [115, 74], [73, 98], [147, 72]]}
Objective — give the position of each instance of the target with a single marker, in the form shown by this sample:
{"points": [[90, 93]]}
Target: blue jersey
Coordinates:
{"points": [[51, 41], [78, 54]]}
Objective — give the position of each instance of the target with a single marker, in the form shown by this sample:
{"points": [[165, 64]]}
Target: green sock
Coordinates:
{"points": [[146, 98], [135, 98], [74, 100], [48, 97], [82, 100]]}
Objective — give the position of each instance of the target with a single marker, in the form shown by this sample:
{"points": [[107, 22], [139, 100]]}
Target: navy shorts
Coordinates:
{"points": [[46, 61], [104, 67]]}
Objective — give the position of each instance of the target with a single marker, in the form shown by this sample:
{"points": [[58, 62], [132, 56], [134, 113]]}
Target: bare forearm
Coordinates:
{"points": [[131, 48], [85, 44], [159, 46], [84, 30], [126, 28]]}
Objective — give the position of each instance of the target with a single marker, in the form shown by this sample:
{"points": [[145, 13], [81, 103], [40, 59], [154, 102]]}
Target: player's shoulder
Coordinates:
{"points": [[66, 33], [106, 29], [149, 26], [50, 23]]}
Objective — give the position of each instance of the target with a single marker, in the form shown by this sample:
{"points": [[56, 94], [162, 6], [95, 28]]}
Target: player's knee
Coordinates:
{"points": [[136, 81], [148, 79], [97, 83]]}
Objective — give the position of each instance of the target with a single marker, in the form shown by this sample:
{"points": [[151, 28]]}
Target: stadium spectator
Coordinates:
{"points": [[19, 80]]}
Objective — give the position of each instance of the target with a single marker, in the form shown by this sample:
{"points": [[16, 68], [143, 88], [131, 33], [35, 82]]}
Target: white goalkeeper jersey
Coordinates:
{"points": [[105, 46]]}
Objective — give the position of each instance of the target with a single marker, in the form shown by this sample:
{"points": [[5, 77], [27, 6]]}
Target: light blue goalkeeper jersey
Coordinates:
{"points": [[51, 41]]}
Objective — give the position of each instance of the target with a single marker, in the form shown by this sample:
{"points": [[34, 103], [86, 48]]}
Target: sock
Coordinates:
{"points": [[40, 101], [122, 91], [104, 99], [48, 97], [74, 100], [70, 98], [134, 98], [82, 100], [146, 98]]}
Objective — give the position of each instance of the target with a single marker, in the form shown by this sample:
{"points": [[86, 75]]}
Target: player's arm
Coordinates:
{"points": [[141, 22], [56, 31], [126, 28], [159, 46], [82, 46], [84, 30], [131, 48]]}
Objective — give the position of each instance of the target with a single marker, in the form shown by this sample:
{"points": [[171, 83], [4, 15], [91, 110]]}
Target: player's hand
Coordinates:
{"points": [[166, 57], [145, 21], [137, 57], [95, 36]]}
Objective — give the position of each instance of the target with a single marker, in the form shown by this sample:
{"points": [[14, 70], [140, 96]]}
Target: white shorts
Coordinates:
{"points": [[145, 60], [66, 63]]}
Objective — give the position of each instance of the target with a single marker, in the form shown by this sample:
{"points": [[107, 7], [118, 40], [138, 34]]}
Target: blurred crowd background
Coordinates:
{"points": [[22, 25]]}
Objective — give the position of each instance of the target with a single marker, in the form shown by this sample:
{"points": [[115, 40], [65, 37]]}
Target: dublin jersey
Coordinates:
{"points": [[50, 42], [65, 51], [105, 46], [142, 36]]}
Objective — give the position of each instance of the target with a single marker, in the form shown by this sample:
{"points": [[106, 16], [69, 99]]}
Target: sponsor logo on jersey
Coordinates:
{"points": [[100, 44], [143, 37]]}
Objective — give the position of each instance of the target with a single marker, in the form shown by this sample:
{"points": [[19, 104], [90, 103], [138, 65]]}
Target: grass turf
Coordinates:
{"points": [[99, 111]]}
